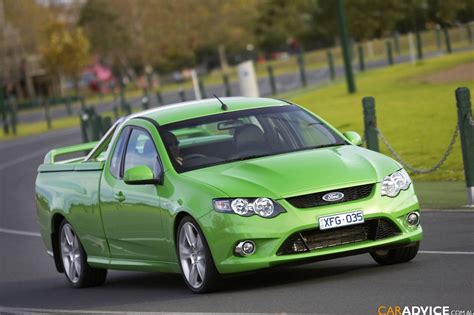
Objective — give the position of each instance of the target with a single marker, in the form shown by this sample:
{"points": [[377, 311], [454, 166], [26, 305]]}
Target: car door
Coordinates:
{"points": [[131, 213]]}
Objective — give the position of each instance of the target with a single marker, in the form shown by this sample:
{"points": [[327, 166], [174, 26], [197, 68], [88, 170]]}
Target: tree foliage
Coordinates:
{"points": [[165, 34], [169, 35], [65, 50]]}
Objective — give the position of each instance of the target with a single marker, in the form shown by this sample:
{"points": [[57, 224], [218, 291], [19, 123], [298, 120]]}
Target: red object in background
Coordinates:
{"points": [[102, 73], [99, 78]]}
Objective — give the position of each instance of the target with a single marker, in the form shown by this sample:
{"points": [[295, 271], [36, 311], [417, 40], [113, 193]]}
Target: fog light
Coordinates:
{"points": [[413, 218], [245, 248]]}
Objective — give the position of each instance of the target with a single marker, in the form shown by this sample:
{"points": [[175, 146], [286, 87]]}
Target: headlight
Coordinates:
{"points": [[263, 207], [395, 182]]}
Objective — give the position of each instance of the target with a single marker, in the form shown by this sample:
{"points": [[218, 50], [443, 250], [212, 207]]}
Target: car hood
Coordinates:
{"points": [[297, 173]]}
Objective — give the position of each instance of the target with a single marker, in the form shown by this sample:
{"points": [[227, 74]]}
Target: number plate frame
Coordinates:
{"points": [[340, 219]]}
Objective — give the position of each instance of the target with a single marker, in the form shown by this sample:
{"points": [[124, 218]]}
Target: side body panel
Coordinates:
{"points": [[75, 196]]}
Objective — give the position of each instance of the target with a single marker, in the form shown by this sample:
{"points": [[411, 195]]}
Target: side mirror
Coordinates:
{"points": [[353, 137], [139, 175]]}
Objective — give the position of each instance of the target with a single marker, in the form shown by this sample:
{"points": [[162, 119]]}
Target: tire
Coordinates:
{"points": [[74, 260], [396, 255], [195, 260]]}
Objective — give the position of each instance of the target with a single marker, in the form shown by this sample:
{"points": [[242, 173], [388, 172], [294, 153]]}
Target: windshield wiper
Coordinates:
{"points": [[327, 145], [252, 156]]}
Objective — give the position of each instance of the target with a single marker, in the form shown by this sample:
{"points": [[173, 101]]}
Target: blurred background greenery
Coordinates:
{"points": [[66, 44]]}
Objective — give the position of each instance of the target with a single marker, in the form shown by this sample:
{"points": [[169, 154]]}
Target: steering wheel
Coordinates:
{"points": [[194, 156]]}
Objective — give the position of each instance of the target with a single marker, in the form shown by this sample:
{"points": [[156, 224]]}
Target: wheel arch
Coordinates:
{"points": [[56, 221]]}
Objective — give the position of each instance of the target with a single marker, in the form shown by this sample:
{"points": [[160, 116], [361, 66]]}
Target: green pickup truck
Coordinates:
{"points": [[217, 187]]}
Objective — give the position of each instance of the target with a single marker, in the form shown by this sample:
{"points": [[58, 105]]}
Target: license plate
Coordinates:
{"points": [[343, 219]]}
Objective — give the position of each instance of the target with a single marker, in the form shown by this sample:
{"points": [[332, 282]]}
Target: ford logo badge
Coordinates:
{"points": [[333, 196]]}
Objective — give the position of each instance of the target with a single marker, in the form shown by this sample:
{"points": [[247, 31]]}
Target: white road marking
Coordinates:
{"points": [[22, 159], [444, 252], [59, 311], [18, 232]]}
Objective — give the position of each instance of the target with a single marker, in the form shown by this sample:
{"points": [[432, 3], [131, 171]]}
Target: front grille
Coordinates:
{"points": [[372, 229], [316, 199]]}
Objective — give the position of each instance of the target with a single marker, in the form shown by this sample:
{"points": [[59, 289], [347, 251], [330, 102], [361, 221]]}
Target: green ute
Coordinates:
{"points": [[205, 190]]}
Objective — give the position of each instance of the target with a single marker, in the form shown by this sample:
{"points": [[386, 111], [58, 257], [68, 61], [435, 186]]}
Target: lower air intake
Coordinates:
{"points": [[373, 229]]}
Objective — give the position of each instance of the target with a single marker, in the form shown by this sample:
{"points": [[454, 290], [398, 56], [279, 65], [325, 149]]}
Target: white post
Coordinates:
{"points": [[470, 197], [248, 79], [411, 46], [197, 91], [370, 49]]}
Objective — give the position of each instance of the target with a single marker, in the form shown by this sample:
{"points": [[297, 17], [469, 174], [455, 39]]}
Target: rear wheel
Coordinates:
{"points": [[74, 260], [396, 255], [197, 265]]}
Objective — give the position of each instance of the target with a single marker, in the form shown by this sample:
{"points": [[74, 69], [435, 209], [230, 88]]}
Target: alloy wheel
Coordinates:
{"points": [[70, 253], [192, 255]]}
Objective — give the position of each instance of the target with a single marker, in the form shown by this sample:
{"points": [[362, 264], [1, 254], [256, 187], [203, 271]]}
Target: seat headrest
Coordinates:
{"points": [[248, 136]]}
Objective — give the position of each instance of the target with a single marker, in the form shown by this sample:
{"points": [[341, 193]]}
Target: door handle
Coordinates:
{"points": [[119, 196]]}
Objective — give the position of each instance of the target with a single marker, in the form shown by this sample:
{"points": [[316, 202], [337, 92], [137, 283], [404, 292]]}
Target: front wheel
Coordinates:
{"points": [[396, 255], [197, 265], [73, 257]]}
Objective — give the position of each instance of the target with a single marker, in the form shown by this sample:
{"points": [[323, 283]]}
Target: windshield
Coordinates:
{"points": [[243, 135]]}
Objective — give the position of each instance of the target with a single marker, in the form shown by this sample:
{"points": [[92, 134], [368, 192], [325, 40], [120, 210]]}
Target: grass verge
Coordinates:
{"points": [[441, 194]]}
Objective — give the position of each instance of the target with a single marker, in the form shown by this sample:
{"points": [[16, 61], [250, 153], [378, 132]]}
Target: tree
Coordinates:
{"points": [[26, 16], [65, 51], [278, 21]]}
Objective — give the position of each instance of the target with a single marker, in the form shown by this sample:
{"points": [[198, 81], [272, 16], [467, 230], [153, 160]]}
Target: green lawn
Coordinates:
{"points": [[418, 118]]}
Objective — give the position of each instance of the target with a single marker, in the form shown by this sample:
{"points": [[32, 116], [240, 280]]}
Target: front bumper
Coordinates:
{"points": [[224, 231]]}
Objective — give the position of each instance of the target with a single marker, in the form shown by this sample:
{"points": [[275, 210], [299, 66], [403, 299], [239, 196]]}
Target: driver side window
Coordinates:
{"points": [[141, 150]]}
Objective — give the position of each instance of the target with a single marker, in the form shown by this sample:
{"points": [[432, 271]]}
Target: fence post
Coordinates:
{"points": [[145, 102], [3, 111], [228, 91], [370, 123], [332, 72], [116, 112], [201, 87], [159, 98], [361, 57], [438, 36], [47, 114], [84, 118], [182, 95], [271, 78], [396, 42], [419, 45], [302, 71], [466, 131], [469, 33], [13, 120], [447, 40], [96, 121], [106, 124], [67, 101], [388, 45]]}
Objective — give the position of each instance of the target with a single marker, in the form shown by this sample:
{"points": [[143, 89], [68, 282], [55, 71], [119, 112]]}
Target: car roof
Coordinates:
{"points": [[187, 110]]}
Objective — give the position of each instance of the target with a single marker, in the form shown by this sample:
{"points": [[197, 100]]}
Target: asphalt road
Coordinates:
{"points": [[442, 273], [284, 83]]}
